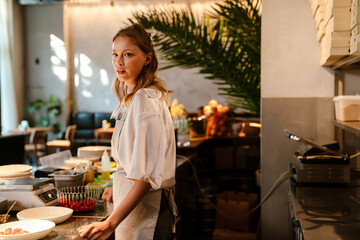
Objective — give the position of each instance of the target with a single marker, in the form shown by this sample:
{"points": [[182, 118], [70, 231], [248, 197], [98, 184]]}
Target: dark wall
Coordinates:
{"points": [[12, 149]]}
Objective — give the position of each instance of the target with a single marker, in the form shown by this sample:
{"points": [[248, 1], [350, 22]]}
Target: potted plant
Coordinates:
{"points": [[44, 112]]}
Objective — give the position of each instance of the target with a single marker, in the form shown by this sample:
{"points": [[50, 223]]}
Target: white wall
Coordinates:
{"points": [[296, 95], [290, 53], [44, 43], [92, 28]]}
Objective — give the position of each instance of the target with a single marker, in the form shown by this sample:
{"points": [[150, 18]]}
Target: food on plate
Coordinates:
{"points": [[10, 231], [99, 166]]}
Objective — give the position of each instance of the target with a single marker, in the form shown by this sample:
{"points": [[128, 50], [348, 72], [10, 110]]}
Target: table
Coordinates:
{"points": [[28, 132], [101, 133]]}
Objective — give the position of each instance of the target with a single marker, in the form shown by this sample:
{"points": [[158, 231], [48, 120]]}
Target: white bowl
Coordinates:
{"points": [[37, 229], [54, 214]]}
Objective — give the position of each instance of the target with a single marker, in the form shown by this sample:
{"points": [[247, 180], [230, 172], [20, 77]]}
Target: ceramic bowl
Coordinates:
{"points": [[4, 218], [51, 213]]}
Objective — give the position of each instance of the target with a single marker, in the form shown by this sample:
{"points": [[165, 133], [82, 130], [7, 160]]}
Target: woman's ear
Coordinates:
{"points": [[148, 58]]}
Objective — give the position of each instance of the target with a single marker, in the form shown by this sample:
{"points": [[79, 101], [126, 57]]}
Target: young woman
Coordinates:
{"points": [[143, 145]]}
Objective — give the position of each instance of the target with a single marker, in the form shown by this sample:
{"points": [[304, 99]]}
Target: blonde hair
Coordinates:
{"points": [[148, 75]]}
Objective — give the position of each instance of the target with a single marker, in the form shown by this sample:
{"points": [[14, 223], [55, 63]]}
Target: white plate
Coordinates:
{"points": [[54, 214], [37, 229], [9, 170], [17, 175], [93, 151], [11, 177], [73, 161]]}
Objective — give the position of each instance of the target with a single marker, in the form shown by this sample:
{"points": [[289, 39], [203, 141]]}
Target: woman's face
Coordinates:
{"points": [[128, 60]]}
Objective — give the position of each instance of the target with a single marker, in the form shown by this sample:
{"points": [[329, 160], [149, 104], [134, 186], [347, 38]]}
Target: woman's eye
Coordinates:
{"points": [[127, 54], [114, 54]]}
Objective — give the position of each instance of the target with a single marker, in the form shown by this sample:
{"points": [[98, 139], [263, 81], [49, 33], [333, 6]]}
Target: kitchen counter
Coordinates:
{"points": [[326, 212], [70, 228]]}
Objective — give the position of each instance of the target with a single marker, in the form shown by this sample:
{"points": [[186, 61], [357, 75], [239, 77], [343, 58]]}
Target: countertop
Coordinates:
{"points": [[327, 212], [70, 228]]}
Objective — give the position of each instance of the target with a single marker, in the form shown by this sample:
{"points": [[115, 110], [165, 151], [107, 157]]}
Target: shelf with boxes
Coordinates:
{"points": [[337, 24]]}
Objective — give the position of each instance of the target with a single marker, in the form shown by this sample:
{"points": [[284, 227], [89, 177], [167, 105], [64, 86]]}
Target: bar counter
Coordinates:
{"points": [[326, 212]]}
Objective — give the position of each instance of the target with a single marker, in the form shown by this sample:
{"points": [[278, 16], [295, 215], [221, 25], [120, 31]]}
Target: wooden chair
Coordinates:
{"points": [[60, 145], [37, 145]]}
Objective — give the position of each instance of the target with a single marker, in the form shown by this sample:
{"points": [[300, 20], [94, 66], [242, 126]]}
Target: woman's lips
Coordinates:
{"points": [[120, 71]]}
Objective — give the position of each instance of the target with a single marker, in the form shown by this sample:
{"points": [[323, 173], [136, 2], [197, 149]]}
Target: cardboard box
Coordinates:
{"points": [[339, 23], [340, 12], [319, 14], [314, 4], [321, 31], [338, 3], [354, 17], [220, 234], [354, 4], [236, 205]]}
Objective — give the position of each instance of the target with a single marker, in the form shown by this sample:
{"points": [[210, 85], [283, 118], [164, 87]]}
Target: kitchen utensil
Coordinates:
{"points": [[5, 217], [12, 205], [67, 178]]}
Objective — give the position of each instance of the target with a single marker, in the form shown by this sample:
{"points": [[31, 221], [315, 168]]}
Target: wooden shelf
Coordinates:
{"points": [[353, 127], [348, 63]]}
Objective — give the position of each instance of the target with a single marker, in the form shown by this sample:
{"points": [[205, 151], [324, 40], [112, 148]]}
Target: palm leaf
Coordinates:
{"points": [[227, 48]]}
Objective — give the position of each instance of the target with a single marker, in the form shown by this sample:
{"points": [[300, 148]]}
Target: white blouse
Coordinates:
{"points": [[144, 147]]}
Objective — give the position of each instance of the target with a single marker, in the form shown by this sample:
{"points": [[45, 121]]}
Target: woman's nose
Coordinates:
{"points": [[119, 61]]}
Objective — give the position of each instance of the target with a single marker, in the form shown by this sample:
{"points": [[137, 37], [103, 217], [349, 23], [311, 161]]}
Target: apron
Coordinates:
{"points": [[141, 222]]}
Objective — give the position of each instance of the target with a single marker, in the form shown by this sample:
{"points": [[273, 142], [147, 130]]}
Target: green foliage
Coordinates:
{"points": [[225, 45], [43, 113]]}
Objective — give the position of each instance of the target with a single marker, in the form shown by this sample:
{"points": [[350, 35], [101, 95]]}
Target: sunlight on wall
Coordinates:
{"points": [[93, 72], [58, 59], [104, 77], [86, 93], [85, 68], [76, 79]]}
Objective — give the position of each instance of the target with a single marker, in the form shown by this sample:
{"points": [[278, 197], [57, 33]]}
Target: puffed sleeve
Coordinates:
{"points": [[149, 147]]}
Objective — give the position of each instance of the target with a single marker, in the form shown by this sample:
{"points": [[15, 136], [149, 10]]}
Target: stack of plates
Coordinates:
{"points": [[13, 171], [93, 151]]}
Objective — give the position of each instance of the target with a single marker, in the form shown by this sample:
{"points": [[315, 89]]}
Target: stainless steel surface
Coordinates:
{"points": [[325, 212], [70, 228]]}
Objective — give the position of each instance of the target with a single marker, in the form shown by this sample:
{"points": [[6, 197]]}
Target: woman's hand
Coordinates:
{"points": [[108, 195], [97, 230]]}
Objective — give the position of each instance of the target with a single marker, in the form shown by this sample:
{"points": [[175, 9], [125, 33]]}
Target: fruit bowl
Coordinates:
{"points": [[78, 198]]}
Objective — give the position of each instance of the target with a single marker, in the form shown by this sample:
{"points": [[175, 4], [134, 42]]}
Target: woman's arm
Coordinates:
{"points": [[102, 230]]}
